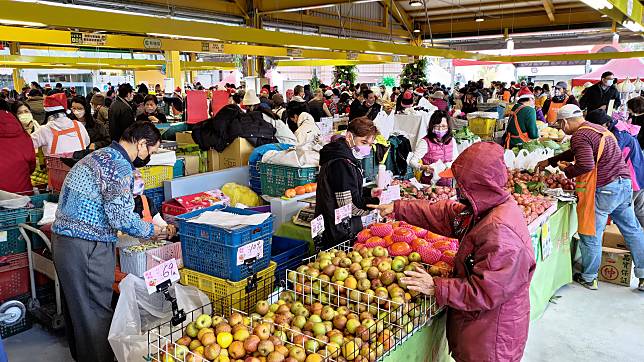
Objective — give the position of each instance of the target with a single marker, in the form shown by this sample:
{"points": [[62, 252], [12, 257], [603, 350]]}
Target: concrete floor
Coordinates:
{"points": [[583, 325]]}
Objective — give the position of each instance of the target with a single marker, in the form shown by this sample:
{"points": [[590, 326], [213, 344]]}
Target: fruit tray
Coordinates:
{"points": [[217, 288], [217, 251], [322, 338], [275, 179]]}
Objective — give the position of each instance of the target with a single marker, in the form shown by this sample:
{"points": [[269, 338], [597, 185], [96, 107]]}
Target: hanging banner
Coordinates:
{"points": [[196, 106], [218, 101]]}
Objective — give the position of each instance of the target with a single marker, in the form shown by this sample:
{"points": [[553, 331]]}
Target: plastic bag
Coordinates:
{"points": [[521, 161], [241, 194], [438, 167], [305, 155], [509, 158], [9, 200], [137, 312]]}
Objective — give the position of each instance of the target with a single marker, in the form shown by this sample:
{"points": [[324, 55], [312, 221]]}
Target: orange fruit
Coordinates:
{"points": [[300, 190], [290, 193]]}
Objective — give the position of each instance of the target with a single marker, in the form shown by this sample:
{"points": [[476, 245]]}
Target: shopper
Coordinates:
{"points": [[600, 94], [99, 110], [331, 101], [488, 297], [59, 134], [317, 107], [95, 203], [636, 109], [99, 137], [340, 180], [35, 103], [151, 110], [282, 132], [176, 109], [469, 103], [121, 114], [558, 100], [522, 126], [370, 105], [438, 145], [306, 131], [438, 100], [18, 156], [603, 187], [632, 154], [23, 113], [279, 107], [344, 104], [404, 102], [357, 108]]}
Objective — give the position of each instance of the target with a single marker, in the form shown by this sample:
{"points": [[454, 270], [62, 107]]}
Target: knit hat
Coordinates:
{"points": [[569, 111], [289, 93], [407, 99], [263, 92], [55, 102], [250, 98], [562, 85], [525, 93]]}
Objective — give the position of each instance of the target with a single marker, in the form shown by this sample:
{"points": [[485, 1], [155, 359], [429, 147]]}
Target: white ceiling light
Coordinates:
{"points": [[633, 26], [415, 3], [177, 36], [480, 20], [416, 30], [509, 43], [598, 4], [19, 22], [615, 38]]}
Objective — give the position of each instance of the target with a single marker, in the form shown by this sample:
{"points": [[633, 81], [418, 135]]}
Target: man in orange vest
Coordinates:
{"points": [[604, 188], [560, 98]]}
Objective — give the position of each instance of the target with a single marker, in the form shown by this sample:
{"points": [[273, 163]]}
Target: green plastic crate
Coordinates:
{"points": [[276, 179]]}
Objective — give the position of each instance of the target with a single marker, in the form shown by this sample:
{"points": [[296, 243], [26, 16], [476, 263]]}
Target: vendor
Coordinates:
{"points": [[340, 180], [18, 157], [317, 106], [469, 103], [99, 137], [522, 126], [151, 110], [60, 134], [488, 297], [603, 187], [404, 102], [559, 99], [438, 145], [95, 203]]}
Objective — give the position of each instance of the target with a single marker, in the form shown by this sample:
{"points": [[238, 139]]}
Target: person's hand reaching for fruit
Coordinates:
{"points": [[384, 210], [420, 281]]}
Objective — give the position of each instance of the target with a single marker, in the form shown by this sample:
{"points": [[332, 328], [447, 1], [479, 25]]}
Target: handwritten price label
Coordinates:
{"points": [[342, 213], [249, 251], [317, 226], [160, 274], [370, 219], [390, 194]]}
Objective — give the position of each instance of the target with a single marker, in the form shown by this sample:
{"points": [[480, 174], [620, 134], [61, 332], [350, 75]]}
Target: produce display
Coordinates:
{"points": [[536, 145], [301, 190], [39, 177], [465, 134], [409, 191], [140, 248], [532, 205], [549, 132], [521, 181]]}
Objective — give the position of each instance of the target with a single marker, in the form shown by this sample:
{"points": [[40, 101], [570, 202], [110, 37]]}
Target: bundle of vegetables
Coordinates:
{"points": [[550, 132], [532, 205], [409, 191], [464, 134], [535, 145]]}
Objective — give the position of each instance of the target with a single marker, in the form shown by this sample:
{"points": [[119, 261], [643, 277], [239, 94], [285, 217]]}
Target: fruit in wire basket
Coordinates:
{"points": [[374, 241], [429, 254]]}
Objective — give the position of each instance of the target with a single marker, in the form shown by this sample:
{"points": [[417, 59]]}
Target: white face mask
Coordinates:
{"points": [[79, 113], [25, 118], [609, 82]]}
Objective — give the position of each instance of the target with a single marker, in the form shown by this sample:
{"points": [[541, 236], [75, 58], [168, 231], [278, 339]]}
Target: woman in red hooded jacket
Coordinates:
{"points": [[487, 298], [18, 156]]}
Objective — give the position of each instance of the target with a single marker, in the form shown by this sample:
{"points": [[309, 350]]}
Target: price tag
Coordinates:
{"points": [[249, 251], [546, 241], [160, 274], [370, 219], [342, 213], [390, 194], [415, 183], [317, 226]]}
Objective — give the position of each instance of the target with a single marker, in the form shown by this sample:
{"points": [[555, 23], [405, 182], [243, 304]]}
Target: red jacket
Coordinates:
{"points": [[489, 311], [18, 157]]}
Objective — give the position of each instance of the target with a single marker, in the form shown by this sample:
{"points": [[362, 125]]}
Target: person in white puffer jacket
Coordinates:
{"points": [[307, 131], [282, 132]]}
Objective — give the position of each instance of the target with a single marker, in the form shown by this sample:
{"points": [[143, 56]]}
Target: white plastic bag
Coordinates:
{"points": [[137, 312], [305, 155], [10, 200], [385, 123], [438, 167], [522, 160], [509, 157]]}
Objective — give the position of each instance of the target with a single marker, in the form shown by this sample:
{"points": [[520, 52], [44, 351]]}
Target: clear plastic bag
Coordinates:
{"points": [[137, 312], [9, 200]]}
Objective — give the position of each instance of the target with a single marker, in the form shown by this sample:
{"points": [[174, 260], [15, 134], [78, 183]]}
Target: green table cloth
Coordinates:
{"points": [[297, 232], [427, 344]]}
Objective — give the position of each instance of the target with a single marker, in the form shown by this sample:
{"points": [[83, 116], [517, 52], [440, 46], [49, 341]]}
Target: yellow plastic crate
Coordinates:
{"points": [[482, 127], [217, 288], [153, 176]]}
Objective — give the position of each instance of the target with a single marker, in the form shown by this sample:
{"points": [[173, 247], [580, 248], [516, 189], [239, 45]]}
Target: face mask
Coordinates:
{"points": [[25, 118], [150, 111], [609, 82], [440, 134], [79, 113], [139, 184], [557, 93], [140, 162], [360, 152]]}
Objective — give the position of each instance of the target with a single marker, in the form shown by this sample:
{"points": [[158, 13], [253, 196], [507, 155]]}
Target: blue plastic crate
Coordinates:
{"points": [[256, 185], [12, 241], [288, 254], [213, 250], [156, 195], [13, 217]]}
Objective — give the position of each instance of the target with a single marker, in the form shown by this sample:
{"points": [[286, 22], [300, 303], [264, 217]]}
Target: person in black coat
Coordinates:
{"points": [[121, 114], [151, 111], [600, 94]]}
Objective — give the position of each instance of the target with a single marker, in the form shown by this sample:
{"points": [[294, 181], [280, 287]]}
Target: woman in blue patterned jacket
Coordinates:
{"points": [[95, 203]]}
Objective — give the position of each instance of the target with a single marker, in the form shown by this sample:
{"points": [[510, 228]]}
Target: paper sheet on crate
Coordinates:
{"points": [[228, 220], [163, 158]]}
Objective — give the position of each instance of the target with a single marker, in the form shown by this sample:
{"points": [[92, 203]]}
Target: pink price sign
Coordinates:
{"points": [[160, 274]]}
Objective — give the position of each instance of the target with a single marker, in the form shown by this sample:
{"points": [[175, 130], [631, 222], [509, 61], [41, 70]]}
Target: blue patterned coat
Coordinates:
{"points": [[96, 199]]}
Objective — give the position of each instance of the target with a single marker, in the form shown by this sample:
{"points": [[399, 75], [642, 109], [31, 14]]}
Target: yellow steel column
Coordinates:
{"points": [[18, 82], [173, 67], [193, 73]]}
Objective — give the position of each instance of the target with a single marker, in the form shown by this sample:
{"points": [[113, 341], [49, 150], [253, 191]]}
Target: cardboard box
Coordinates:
{"points": [[184, 138], [613, 238], [236, 154], [191, 164], [616, 266], [213, 160]]}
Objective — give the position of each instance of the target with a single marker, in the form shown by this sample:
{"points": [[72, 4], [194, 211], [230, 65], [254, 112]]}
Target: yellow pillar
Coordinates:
{"points": [[173, 68], [193, 73], [18, 82]]}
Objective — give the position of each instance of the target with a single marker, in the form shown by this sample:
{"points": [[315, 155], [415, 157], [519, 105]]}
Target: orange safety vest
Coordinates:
{"points": [[147, 216], [54, 142], [551, 117], [586, 185], [522, 135]]}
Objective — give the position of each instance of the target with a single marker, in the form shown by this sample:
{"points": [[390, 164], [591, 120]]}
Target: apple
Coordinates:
{"points": [[388, 277], [378, 251], [274, 357], [351, 325], [204, 331], [181, 351], [298, 354], [373, 272], [217, 319], [340, 274], [398, 265], [311, 346], [192, 330], [265, 348], [222, 327], [319, 329], [208, 338], [384, 266], [194, 345], [262, 307], [262, 330], [315, 318], [345, 262], [241, 335], [343, 311], [351, 283], [212, 351], [203, 321], [287, 296], [364, 284], [369, 323], [414, 257], [327, 313], [299, 321], [365, 263], [273, 307], [250, 359], [339, 321], [354, 268], [251, 343], [185, 340]]}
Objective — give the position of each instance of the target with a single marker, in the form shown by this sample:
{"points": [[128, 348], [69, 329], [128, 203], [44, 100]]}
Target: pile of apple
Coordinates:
{"points": [[409, 191], [532, 205], [551, 181]]}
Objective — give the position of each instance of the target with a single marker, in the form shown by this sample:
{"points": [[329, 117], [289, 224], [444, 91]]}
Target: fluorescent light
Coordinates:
{"points": [[598, 4], [380, 53], [19, 22], [604, 16], [416, 30], [633, 26], [306, 47], [509, 44], [415, 3], [177, 36], [480, 20]]}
